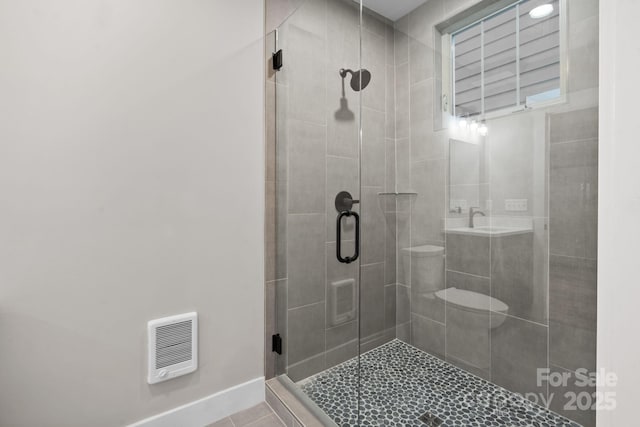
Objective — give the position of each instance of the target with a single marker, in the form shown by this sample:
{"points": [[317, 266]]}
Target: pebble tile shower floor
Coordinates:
{"points": [[400, 383]]}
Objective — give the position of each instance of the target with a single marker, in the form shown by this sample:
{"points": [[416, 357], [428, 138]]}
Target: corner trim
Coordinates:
{"points": [[211, 408]]}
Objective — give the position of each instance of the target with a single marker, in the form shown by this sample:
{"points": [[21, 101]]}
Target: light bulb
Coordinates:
{"points": [[541, 11], [483, 130], [463, 123], [474, 126]]}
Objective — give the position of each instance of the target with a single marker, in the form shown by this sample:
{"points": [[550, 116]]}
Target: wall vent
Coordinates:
{"points": [[343, 300], [172, 347]]}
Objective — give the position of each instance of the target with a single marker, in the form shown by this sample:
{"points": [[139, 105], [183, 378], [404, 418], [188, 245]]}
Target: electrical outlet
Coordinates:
{"points": [[516, 205]]}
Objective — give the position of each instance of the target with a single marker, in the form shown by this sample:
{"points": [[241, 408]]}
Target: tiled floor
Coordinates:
{"points": [[258, 416], [400, 383]]}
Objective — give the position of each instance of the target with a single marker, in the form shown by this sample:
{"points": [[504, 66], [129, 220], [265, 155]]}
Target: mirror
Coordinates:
{"points": [[467, 176]]}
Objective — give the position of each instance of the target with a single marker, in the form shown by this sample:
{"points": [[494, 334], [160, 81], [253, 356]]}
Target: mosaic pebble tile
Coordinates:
{"points": [[400, 383]]}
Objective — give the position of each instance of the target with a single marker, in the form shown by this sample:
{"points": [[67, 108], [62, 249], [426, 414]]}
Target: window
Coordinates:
{"points": [[507, 60]]}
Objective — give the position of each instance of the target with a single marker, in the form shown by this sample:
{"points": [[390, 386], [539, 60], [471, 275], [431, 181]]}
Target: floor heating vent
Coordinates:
{"points": [[172, 347]]}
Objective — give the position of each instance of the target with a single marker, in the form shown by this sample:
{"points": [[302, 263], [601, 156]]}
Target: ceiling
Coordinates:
{"points": [[392, 9]]}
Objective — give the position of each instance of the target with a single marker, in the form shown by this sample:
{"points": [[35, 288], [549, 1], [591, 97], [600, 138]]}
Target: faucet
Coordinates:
{"points": [[472, 213]]}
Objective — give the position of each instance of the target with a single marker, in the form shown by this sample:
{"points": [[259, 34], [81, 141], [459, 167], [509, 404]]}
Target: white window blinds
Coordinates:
{"points": [[507, 60]]}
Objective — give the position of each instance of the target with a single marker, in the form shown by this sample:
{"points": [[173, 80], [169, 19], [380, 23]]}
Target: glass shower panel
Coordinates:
{"points": [[464, 139], [543, 197], [321, 231]]}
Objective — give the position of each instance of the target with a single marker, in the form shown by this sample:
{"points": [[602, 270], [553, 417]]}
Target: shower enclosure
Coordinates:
{"points": [[432, 209]]}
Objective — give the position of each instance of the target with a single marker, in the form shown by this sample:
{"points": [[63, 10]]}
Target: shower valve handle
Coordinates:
{"points": [[344, 201]]}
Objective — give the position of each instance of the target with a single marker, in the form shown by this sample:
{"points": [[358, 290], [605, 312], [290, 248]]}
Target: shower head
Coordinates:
{"points": [[359, 79]]}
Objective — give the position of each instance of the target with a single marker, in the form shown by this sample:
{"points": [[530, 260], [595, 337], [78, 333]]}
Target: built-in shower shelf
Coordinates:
{"points": [[398, 194]]}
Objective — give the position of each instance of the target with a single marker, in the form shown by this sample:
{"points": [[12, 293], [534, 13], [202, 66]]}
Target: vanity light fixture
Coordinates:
{"points": [[483, 129]]}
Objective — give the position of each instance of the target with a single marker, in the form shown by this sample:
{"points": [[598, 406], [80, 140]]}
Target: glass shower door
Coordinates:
{"points": [[318, 229]]}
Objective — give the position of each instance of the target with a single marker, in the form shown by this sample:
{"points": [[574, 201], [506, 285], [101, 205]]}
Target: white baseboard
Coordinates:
{"points": [[211, 408]]}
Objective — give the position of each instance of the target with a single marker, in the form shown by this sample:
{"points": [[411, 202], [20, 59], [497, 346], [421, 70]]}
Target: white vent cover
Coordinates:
{"points": [[173, 347]]}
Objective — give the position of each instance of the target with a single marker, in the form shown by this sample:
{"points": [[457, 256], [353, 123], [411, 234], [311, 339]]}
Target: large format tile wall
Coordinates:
{"points": [[313, 153], [421, 168], [547, 156], [573, 249]]}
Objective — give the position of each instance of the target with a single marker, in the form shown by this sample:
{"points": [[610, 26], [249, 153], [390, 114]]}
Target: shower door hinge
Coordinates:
{"points": [[276, 343], [277, 60]]}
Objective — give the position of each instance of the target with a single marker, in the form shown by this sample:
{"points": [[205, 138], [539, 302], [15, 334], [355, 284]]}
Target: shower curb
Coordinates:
{"points": [[291, 410]]}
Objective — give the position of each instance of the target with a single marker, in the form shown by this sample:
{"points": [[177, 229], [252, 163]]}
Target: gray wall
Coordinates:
{"points": [[132, 173]]}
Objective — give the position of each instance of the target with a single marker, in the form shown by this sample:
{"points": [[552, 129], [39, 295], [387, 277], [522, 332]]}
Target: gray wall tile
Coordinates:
{"points": [[373, 22], [468, 254], [421, 63], [403, 332], [390, 173], [572, 312], [306, 263], [403, 269], [373, 227], [426, 304], [307, 168], [423, 18], [421, 117], [305, 75], [428, 335], [373, 148], [574, 125], [428, 207], [518, 350], [270, 232], [390, 276], [342, 343], [465, 344], [403, 304], [401, 41], [390, 306], [512, 276], [403, 121], [374, 60], [390, 102], [403, 161], [583, 49], [468, 282], [573, 199], [372, 299], [566, 405], [343, 41], [311, 16], [306, 333]]}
